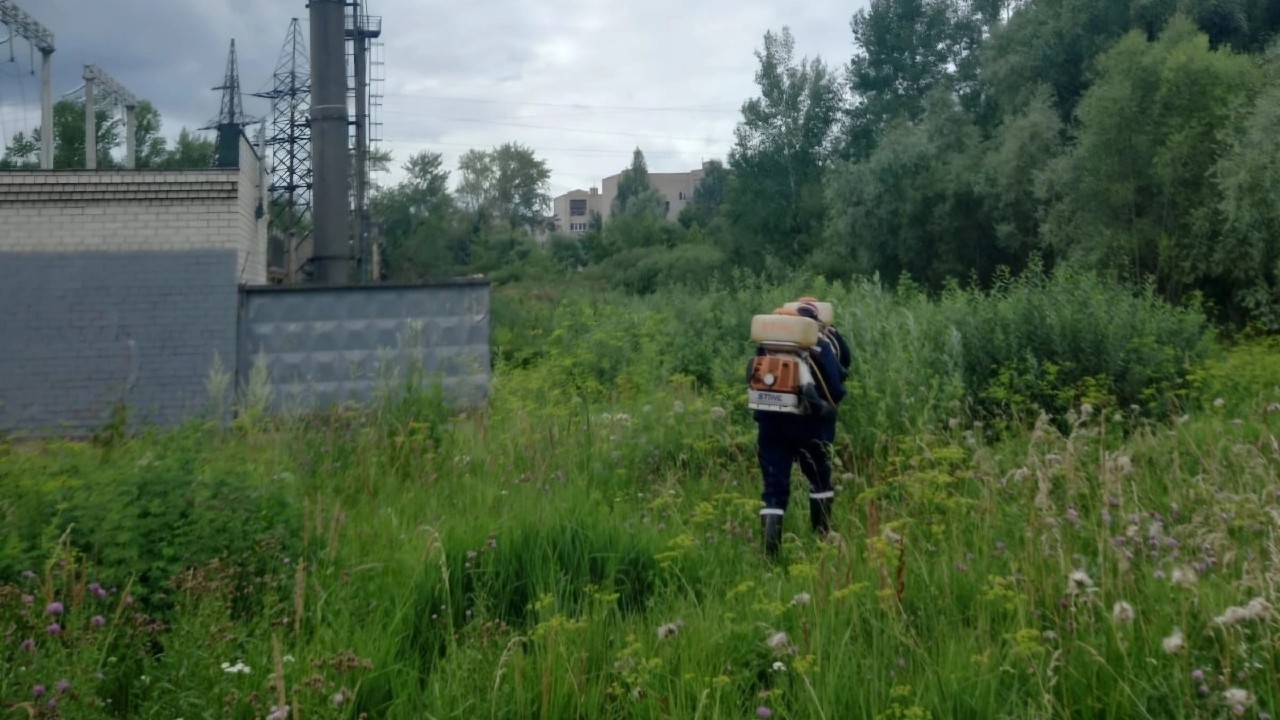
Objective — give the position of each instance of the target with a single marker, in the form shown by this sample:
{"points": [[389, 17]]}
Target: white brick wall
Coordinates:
{"points": [[67, 211]]}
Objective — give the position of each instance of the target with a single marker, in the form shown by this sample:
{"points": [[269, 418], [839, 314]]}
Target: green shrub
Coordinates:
{"points": [[145, 510]]}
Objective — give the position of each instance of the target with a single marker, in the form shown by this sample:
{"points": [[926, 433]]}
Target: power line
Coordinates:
{"points": [[548, 127], [565, 150], [576, 106]]}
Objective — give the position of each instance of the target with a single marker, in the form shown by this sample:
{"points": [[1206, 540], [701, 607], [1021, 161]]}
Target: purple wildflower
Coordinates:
{"points": [[764, 712], [54, 629], [63, 686], [97, 590], [53, 608], [28, 645], [38, 691], [1197, 675], [98, 621]]}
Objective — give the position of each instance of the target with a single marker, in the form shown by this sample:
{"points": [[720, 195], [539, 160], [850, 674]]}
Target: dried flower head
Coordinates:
{"points": [[1174, 643], [1256, 609], [1122, 612], [1237, 696], [1077, 580], [1184, 577]]}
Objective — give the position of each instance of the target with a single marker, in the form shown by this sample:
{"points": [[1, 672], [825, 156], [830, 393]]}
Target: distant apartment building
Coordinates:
{"points": [[573, 209]]}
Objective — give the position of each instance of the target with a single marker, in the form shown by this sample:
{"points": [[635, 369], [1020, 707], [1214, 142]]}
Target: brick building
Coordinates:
{"points": [[122, 286], [572, 210]]}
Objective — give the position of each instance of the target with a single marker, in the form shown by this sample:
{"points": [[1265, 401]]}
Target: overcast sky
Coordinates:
{"points": [[582, 83]]}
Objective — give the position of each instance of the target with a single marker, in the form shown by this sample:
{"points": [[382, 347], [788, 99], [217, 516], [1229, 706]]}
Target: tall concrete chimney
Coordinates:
{"points": [[329, 142]]}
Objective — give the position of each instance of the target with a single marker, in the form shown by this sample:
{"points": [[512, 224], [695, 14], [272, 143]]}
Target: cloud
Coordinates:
{"points": [[581, 83]]}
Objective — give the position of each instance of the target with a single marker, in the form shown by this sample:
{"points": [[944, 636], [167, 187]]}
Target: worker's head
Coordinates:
{"points": [[807, 308], [784, 310]]}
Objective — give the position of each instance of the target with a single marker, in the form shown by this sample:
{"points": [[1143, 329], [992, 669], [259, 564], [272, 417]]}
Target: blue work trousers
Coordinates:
{"points": [[783, 442]]}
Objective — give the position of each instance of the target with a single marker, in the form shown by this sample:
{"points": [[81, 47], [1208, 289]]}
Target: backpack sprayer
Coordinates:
{"points": [[782, 380]]}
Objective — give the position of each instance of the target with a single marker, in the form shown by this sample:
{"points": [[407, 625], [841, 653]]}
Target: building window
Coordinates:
{"points": [[578, 208], [668, 206], [681, 194], [578, 227]]}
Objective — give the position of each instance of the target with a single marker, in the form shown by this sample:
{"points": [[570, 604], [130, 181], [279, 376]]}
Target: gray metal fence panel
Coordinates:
{"points": [[317, 346]]}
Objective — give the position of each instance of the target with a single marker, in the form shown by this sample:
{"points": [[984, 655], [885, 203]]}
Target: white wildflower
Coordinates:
{"points": [[1184, 577], [1077, 580], [1119, 465], [1086, 411], [801, 599], [717, 412], [238, 669], [780, 643], [1257, 608], [779, 667], [1122, 612], [670, 629], [1237, 696], [1174, 643]]}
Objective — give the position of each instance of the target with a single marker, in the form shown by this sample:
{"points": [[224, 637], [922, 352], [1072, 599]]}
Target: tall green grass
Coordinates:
{"points": [[587, 545]]}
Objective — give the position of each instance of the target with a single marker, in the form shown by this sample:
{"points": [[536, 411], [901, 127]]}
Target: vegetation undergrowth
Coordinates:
{"points": [[1056, 499]]}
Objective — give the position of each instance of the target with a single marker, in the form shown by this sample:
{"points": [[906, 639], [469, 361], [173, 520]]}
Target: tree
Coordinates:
{"points": [[708, 196], [635, 194], [1015, 158], [1054, 42], [150, 146], [23, 151], [190, 151], [1134, 196], [913, 207], [506, 184], [418, 221], [906, 48], [774, 197], [1247, 177]]}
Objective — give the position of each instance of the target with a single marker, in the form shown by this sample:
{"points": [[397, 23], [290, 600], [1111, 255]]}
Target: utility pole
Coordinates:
{"points": [[90, 126], [96, 80], [330, 159], [39, 36]]}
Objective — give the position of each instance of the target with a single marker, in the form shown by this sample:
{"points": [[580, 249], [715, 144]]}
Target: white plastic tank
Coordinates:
{"points": [[785, 331]]}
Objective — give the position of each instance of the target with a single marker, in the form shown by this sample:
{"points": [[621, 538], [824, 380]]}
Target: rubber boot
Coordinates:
{"points": [[771, 527], [820, 516]]}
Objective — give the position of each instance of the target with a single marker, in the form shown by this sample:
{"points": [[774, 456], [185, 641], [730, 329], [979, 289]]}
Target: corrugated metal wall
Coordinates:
{"points": [[321, 346]]}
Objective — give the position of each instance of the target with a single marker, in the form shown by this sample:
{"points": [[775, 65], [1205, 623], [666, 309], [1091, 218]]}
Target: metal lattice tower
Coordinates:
{"points": [[289, 144], [364, 83], [232, 117]]}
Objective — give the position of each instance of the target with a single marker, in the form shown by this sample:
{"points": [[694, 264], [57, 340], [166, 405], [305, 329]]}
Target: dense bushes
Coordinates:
{"points": [[1031, 343]]}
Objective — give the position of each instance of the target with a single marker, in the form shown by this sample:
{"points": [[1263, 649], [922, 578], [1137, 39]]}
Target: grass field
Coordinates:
{"points": [[587, 545]]}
